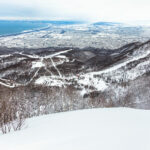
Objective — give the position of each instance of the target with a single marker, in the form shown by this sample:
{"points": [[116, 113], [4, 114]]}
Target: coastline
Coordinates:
{"points": [[26, 31]]}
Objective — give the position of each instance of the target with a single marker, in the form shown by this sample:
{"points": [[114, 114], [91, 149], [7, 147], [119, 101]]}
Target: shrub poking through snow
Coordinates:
{"points": [[10, 117]]}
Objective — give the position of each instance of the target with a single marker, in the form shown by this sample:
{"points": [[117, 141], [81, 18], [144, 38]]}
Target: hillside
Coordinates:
{"points": [[61, 79], [106, 129]]}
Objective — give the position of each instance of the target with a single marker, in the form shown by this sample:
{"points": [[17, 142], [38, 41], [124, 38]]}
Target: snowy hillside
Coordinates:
{"points": [[106, 129], [66, 68], [61, 79]]}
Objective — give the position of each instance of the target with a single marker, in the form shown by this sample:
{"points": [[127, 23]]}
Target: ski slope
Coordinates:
{"points": [[95, 129]]}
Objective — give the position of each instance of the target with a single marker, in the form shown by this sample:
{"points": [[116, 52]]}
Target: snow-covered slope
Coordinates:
{"points": [[106, 129]]}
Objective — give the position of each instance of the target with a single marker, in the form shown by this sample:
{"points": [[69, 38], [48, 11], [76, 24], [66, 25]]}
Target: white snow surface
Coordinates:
{"points": [[37, 64], [49, 81], [95, 129]]}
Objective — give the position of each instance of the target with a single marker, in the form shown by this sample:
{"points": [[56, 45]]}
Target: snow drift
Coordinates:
{"points": [[106, 129]]}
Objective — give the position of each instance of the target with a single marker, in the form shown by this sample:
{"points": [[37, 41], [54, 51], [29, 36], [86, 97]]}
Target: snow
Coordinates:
{"points": [[89, 80], [49, 81], [37, 64], [62, 56], [5, 56], [57, 54], [95, 129], [60, 36], [138, 71], [6, 85]]}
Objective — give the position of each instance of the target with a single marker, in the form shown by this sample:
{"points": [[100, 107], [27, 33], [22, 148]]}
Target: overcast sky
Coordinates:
{"points": [[86, 10]]}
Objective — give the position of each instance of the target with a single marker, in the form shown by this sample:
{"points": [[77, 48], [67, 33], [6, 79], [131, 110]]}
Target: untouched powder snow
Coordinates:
{"points": [[96, 129]]}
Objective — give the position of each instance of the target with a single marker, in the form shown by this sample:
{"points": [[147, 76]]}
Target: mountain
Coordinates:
{"points": [[106, 23], [59, 79]]}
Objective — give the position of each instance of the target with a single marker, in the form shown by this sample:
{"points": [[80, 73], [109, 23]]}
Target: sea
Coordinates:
{"points": [[9, 27]]}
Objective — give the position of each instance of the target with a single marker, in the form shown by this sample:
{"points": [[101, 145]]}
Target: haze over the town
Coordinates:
{"points": [[86, 10]]}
